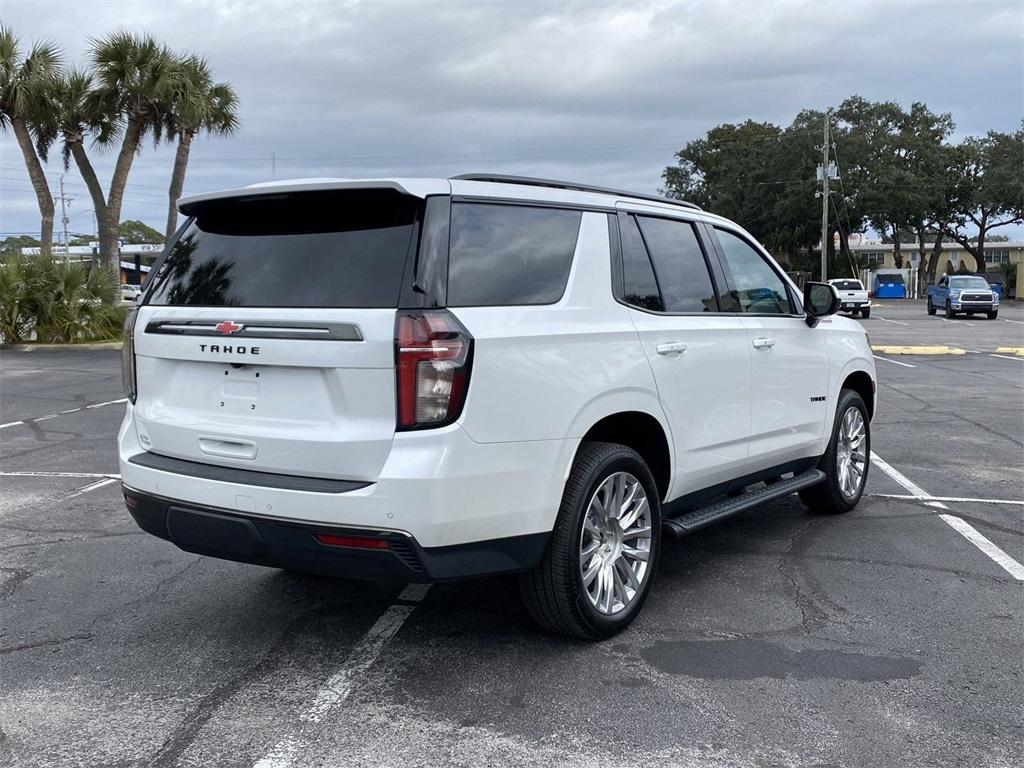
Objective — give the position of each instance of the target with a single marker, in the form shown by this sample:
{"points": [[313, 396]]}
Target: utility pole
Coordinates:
{"points": [[64, 199], [824, 203]]}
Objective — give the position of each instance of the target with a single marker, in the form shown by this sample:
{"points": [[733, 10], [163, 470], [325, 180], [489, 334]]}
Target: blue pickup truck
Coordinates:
{"points": [[969, 294]]}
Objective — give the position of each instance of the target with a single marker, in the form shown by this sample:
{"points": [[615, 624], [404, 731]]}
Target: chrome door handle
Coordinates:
{"points": [[671, 348], [763, 343]]}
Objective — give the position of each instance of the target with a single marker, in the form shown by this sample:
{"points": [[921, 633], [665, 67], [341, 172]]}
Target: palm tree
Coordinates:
{"points": [[198, 104], [71, 119], [24, 82], [134, 77]]}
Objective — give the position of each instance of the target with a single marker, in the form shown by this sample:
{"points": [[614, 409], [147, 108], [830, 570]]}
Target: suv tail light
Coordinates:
{"points": [[128, 356], [433, 356]]}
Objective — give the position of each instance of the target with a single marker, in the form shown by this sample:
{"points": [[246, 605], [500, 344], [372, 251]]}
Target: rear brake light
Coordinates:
{"points": [[433, 357], [359, 542], [128, 356]]}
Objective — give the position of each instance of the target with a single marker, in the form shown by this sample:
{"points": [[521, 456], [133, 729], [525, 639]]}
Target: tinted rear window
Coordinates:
{"points": [[848, 285], [311, 249], [509, 254]]}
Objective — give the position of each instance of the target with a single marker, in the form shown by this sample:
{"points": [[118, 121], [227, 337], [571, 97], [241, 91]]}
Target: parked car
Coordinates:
{"points": [[424, 380], [130, 292], [853, 296], [969, 294]]}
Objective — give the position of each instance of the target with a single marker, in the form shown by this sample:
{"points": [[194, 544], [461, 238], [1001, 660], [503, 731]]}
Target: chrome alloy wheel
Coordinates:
{"points": [[851, 460], [615, 543]]}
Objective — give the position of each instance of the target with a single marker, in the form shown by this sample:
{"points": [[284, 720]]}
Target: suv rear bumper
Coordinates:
{"points": [[439, 487], [294, 545]]}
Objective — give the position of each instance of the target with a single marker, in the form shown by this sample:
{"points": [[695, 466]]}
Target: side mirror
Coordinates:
{"points": [[820, 300]]}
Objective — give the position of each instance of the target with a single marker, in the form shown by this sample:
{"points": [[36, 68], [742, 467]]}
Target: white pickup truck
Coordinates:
{"points": [[853, 296]]}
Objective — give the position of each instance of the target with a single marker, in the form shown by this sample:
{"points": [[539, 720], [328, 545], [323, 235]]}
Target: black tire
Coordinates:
{"points": [[827, 497], [931, 307], [949, 311], [865, 313], [553, 592], [992, 315], [853, 312]]}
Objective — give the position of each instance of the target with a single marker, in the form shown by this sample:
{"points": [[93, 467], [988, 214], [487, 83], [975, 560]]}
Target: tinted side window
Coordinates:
{"points": [[509, 254], [679, 264], [758, 287], [639, 284]]}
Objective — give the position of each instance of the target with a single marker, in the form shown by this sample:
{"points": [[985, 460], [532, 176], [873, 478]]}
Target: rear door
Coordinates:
{"points": [[789, 358], [699, 355], [266, 339]]}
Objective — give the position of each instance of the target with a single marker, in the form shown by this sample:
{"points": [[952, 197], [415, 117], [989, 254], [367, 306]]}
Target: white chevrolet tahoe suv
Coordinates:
{"points": [[434, 379]]}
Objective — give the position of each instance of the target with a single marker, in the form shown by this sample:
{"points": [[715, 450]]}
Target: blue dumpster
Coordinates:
{"points": [[890, 286]]}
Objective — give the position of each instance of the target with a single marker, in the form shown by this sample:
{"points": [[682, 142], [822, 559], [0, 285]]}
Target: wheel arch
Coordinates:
{"points": [[863, 384], [645, 434]]}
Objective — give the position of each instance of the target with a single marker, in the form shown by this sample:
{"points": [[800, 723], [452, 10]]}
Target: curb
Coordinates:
{"points": [[48, 347]]}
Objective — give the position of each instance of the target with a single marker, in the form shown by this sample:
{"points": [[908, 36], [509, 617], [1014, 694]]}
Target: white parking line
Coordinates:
{"points": [[1007, 357], [971, 533], [954, 499], [109, 402], [49, 416], [1013, 321], [906, 482], [90, 487], [339, 685], [887, 320], [894, 362], [61, 474], [962, 527]]}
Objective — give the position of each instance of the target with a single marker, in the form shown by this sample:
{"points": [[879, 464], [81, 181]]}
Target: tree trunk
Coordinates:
{"points": [[177, 182], [38, 177], [933, 258], [85, 168], [979, 257], [922, 259], [109, 251], [897, 252]]}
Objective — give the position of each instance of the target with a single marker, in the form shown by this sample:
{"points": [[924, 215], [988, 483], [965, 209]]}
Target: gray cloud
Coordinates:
{"points": [[599, 92]]}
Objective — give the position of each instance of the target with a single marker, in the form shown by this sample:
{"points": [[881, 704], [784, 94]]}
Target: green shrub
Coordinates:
{"points": [[57, 302]]}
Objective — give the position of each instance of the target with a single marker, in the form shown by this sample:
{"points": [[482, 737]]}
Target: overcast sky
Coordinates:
{"points": [[589, 91]]}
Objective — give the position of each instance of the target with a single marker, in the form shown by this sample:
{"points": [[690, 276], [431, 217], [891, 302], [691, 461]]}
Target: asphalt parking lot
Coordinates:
{"points": [[889, 636]]}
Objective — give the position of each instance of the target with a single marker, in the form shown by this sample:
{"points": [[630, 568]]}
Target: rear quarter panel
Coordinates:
{"points": [[550, 372]]}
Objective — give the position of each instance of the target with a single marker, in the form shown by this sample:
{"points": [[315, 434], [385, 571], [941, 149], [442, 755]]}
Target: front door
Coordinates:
{"points": [[789, 364]]}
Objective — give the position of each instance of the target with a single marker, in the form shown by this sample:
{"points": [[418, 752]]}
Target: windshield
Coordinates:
{"points": [[848, 285], [309, 249], [969, 282]]}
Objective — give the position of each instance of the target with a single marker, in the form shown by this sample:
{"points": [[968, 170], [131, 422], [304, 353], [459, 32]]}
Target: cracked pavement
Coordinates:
{"points": [[779, 637]]}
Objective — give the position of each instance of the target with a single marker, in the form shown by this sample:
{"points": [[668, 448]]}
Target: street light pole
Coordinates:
{"points": [[824, 203], [64, 218]]}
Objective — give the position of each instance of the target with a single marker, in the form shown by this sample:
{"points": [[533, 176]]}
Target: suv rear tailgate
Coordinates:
{"points": [[323, 407], [266, 339]]}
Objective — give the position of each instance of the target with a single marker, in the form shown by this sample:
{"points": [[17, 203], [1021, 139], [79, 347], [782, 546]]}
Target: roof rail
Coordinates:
{"points": [[498, 178]]}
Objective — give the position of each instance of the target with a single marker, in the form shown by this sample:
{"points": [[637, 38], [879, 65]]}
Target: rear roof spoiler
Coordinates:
{"points": [[413, 187]]}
